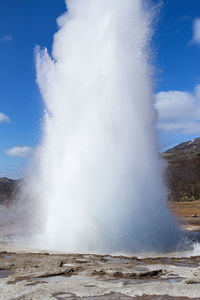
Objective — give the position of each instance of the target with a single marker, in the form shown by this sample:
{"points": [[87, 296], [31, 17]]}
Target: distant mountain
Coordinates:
{"points": [[186, 149], [183, 171], [182, 174]]}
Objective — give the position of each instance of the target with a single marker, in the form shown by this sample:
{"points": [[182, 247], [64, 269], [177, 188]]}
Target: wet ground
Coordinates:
{"points": [[39, 275], [30, 274]]}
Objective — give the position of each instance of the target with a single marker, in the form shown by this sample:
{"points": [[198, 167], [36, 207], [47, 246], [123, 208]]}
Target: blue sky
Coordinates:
{"points": [[24, 24]]}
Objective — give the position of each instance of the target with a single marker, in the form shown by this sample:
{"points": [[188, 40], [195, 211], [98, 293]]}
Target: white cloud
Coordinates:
{"points": [[186, 128], [196, 31], [4, 118], [19, 151], [6, 38], [178, 111]]}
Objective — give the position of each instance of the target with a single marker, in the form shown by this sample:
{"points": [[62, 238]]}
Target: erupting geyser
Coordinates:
{"points": [[98, 175]]}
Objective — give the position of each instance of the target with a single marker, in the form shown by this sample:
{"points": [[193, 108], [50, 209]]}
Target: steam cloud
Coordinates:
{"points": [[98, 179]]}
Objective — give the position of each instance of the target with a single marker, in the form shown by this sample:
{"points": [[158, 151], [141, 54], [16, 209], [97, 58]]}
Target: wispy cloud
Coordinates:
{"points": [[19, 151], [4, 118], [196, 31], [6, 38], [178, 111]]}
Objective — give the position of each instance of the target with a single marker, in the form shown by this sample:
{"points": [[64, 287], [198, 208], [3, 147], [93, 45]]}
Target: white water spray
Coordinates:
{"points": [[98, 175]]}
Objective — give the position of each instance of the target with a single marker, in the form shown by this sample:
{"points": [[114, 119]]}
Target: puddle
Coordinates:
{"points": [[9, 256], [138, 269], [115, 260], [49, 279], [173, 279], [127, 281], [4, 273], [64, 296], [110, 296], [184, 264]]}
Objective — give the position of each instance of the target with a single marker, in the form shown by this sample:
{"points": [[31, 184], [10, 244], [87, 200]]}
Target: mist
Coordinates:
{"points": [[97, 179]]}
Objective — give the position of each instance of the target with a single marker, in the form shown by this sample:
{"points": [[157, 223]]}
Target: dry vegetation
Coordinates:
{"points": [[185, 209], [187, 213]]}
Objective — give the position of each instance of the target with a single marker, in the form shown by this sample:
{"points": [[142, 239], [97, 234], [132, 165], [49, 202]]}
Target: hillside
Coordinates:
{"points": [[186, 149], [182, 174], [8, 189], [183, 171]]}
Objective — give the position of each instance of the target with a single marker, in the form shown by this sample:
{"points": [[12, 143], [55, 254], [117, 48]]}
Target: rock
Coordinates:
{"points": [[196, 272], [194, 215], [98, 272], [190, 281]]}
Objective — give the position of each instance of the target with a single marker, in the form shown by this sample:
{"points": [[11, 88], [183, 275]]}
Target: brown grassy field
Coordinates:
{"points": [[185, 209], [187, 213]]}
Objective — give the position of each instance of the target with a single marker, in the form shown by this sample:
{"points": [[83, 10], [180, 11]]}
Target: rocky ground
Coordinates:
{"points": [[32, 275]]}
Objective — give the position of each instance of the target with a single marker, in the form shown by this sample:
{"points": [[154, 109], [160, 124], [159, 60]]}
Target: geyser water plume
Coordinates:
{"points": [[98, 176]]}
